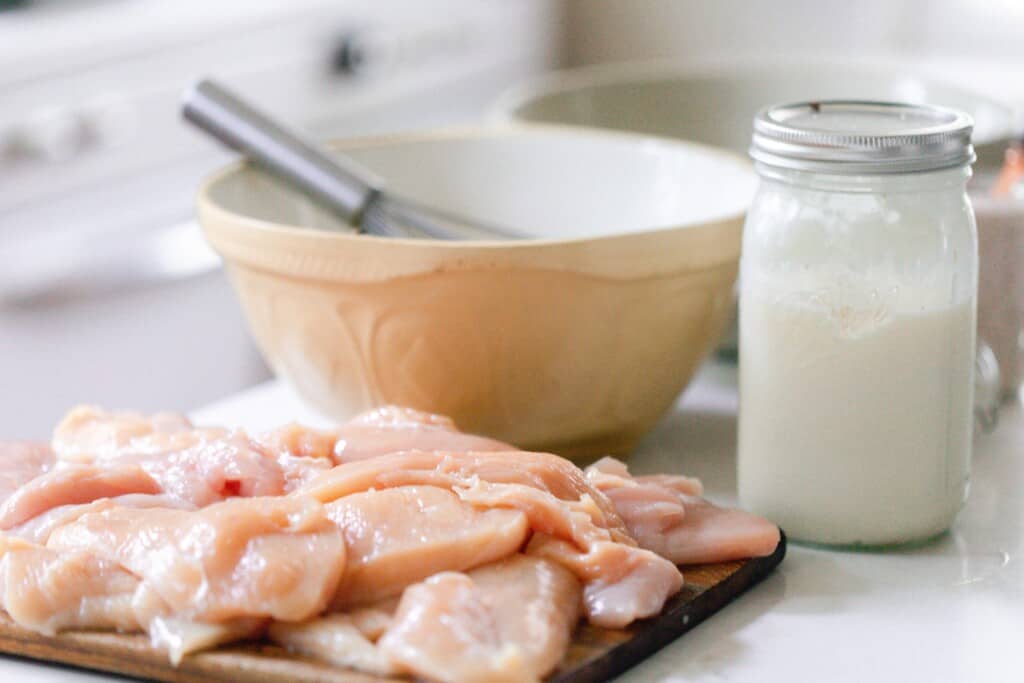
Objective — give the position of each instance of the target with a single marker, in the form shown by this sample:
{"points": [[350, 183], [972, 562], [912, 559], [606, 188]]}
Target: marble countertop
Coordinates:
{"points": [[950, 611]]}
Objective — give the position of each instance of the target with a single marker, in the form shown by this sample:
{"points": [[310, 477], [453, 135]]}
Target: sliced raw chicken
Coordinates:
{"points": [[46, 591], [248, 557], [71, 485], [345, 639], [676, 482], [621, 583], [88, 433], [464, 471], [537, 604], [302, 453], [571, 520], [713, 534], [213, 469], [20, 463], [399, 536], [136, 522], [299, 441], [609, 472], [374, 619], [196, 465], [445, 630], [649, 510], [179, 637], [336, 639], [391, 429], [510, 621], [666, 515], [38, 529], [403, 418], [206, 465]]}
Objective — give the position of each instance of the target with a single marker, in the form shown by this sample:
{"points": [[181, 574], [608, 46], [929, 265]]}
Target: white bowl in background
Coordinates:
{"points": [[714, 102]]}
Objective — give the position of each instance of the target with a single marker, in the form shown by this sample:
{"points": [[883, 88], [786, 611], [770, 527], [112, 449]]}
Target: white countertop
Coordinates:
{"points": [[950, 611]]}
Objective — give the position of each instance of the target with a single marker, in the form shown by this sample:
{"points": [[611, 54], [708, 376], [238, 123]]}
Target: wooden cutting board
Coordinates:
{"points": [[595, 654]]}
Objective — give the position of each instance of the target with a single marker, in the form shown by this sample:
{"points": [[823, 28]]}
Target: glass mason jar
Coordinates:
{"points": [[857, 322]]}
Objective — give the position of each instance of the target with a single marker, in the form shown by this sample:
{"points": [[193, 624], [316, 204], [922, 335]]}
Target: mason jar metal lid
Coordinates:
{"points": [[850, 137]]}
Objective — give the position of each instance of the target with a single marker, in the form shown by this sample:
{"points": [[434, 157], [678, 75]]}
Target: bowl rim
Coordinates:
{"points": [[208, 206], [505, 108]]}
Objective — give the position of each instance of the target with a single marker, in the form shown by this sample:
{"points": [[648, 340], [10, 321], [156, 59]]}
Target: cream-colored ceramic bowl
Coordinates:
{"points": [[576, 341]]}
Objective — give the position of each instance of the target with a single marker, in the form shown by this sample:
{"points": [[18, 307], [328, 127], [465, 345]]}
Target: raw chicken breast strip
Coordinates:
{"points": [[620, 583], [280, 557], [666, 515], [538, 605], [213, 468], [38, 529], [205, 465], [399, 536], [509, 621], [179, 637], [345, 639], [713, 534], [674, 482], [464, 470], [586, 535], [88, 433], [20, 463], [196, 465], [301, 453], [46, 591], [71, 485], [374, 619], [335, 639], [391, 429], [610, 473]]}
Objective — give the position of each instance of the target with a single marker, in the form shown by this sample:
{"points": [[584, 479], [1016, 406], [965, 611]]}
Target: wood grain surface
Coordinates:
{"points": [[595, 654]]}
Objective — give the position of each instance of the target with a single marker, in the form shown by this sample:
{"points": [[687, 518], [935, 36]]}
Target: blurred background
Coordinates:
{"points": [[108, 293]]}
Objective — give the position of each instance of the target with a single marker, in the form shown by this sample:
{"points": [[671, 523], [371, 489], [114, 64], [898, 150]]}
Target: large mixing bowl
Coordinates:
{"points": [[575, 341], [714, 102]]}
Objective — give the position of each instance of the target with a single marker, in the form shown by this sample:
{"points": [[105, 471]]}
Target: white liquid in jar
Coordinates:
{"points": [[855, 408]]}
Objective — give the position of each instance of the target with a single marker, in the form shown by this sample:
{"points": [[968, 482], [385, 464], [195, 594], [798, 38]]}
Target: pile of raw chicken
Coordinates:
{"points": [[394, 544]]}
